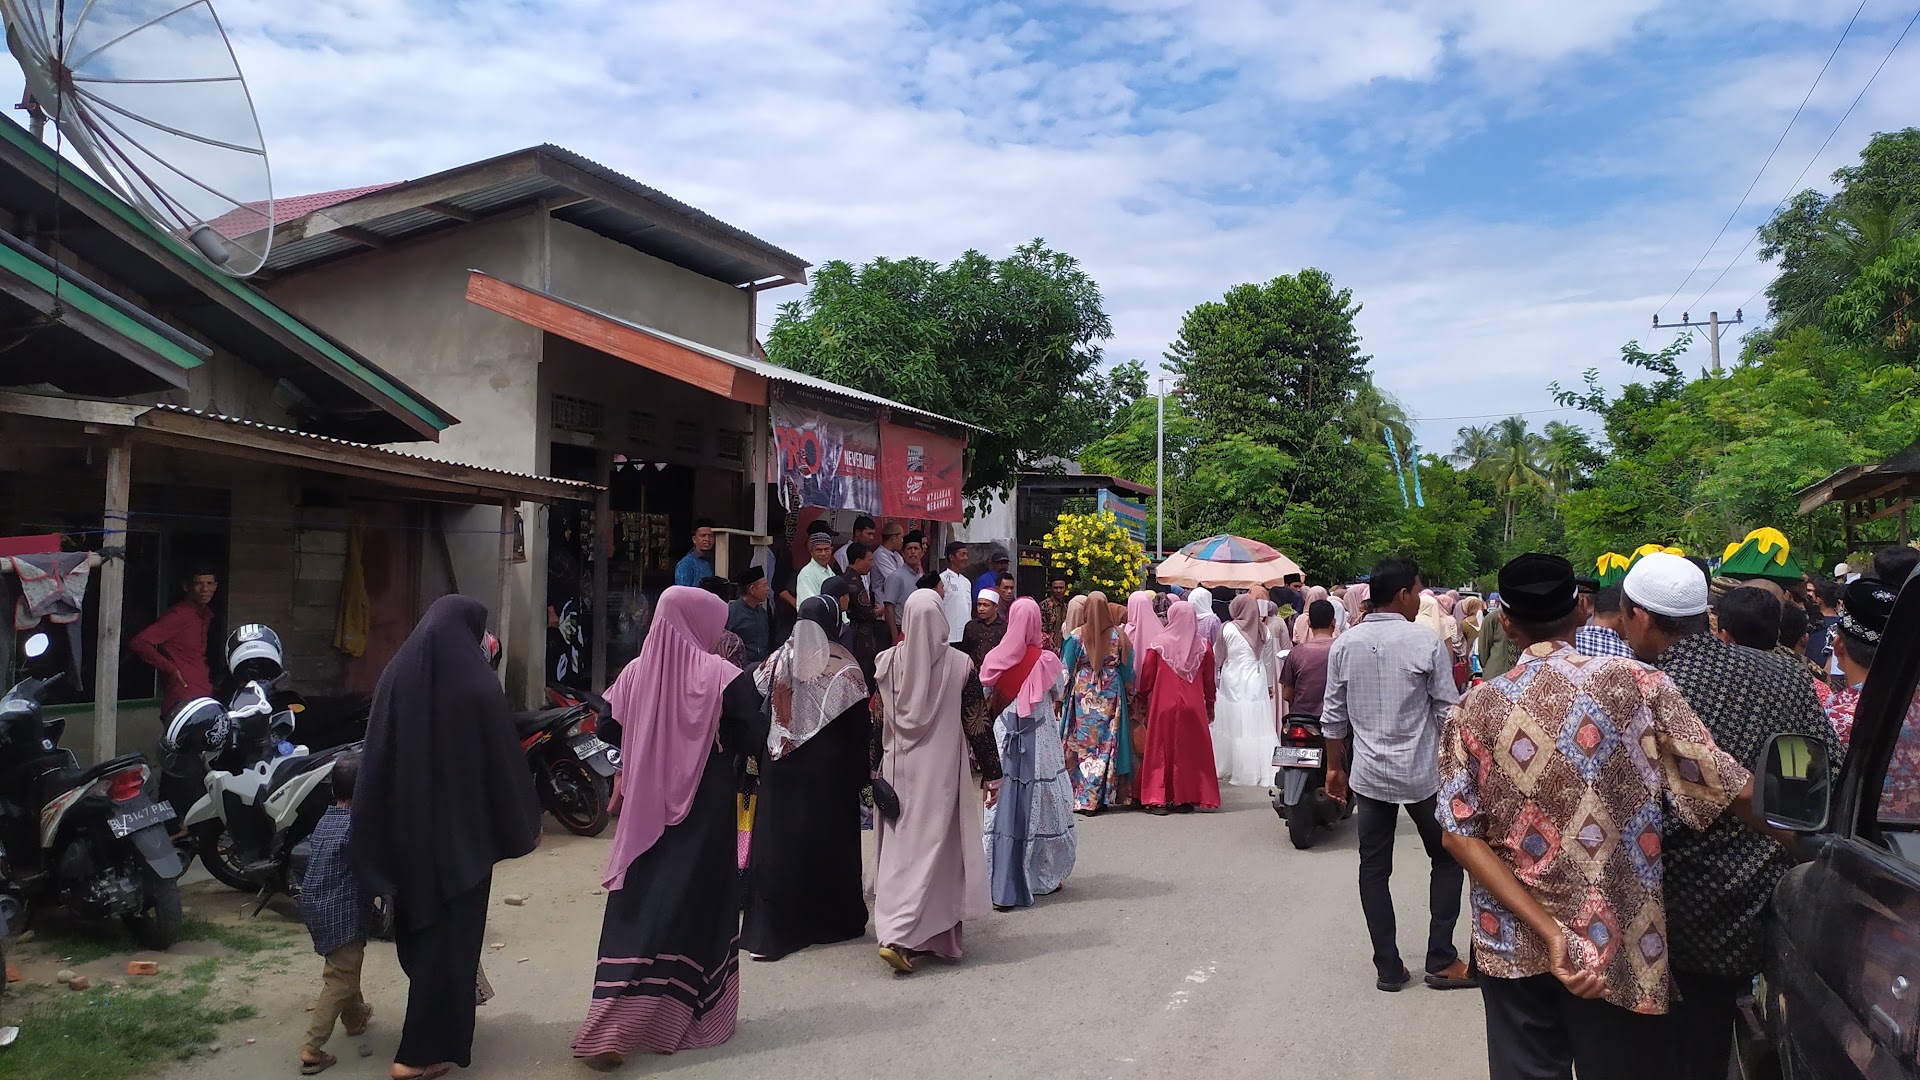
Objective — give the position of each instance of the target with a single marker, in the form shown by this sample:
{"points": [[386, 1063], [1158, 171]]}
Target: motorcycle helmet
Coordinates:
{"points": [[199, 726], [490, 648], [253, 652]]}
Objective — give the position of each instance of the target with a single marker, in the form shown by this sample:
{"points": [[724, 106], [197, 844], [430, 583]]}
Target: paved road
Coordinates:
{"points": [[1201, 946]]}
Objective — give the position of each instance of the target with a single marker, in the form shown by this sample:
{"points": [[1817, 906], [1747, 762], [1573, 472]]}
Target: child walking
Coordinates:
{"points": [[335, 906]]}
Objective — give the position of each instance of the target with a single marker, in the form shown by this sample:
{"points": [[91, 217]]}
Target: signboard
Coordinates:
{"points": [[832, 461], [1132, 515], [922, 473]]}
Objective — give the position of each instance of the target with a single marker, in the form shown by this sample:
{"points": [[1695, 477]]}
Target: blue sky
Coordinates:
{"points": [[1510, 187]]}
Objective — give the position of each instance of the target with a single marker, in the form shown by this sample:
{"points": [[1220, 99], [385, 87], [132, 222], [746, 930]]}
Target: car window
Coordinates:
{"points": [[1900, 789]]}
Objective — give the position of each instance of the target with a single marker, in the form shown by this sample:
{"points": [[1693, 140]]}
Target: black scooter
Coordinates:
{"points": [[1302, 800], [93, 839]]}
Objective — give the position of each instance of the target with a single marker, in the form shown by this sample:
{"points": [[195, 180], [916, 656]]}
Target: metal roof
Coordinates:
{"points": [[348, 393], [584, 488], [766, 369], [584, 193]]}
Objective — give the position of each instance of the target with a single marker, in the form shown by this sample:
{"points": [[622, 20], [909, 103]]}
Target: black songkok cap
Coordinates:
{"points": [[1865, 609], [1537, 588]]}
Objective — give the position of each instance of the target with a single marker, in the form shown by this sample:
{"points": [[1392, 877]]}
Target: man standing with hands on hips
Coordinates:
{"points": [[1389, 688]]}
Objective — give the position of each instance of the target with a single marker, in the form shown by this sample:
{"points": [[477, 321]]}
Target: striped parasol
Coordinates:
{"points": [[1233, 561]]}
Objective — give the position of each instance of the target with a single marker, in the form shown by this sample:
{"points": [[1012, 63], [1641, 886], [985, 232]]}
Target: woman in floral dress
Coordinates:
{"points": [[1099, 741]]}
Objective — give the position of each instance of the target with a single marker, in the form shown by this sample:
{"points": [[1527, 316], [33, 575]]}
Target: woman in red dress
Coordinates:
{"points": [[1177, 679]]}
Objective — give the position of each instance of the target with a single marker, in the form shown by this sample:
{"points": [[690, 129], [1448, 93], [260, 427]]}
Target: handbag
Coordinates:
{"points": [[885, 799]]}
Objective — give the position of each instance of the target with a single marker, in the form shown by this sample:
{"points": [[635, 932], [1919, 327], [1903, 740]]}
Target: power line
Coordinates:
{"points": [[1791, 188], [1493, 415], [1777, 143]]}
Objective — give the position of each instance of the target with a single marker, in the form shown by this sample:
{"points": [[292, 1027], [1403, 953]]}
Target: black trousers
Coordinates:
{"points": [[1376, 824], [1702, 1013], [1537, 1030], [442, 962]]}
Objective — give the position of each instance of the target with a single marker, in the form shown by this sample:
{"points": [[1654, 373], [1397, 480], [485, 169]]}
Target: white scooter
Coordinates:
{"points": [[266, 791]]}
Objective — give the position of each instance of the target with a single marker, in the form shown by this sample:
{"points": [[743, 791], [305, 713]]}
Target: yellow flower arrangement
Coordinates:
{"points": [[1094, 551]]}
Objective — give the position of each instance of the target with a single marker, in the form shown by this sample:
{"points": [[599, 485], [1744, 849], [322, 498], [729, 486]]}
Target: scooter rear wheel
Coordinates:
{"points": [[158, 925], [580, 797], [1303, 822]]}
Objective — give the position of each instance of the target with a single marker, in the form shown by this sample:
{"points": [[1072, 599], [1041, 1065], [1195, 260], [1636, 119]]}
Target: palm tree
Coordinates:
{"points": [[1373, 413], [1567, 455], [1473, 447], [1515, 464], [1852, 236]]}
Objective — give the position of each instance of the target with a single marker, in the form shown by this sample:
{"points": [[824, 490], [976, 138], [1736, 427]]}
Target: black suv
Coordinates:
{"points": [[1839, 992]]}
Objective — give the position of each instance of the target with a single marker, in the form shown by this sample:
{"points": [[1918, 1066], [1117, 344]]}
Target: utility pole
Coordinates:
{"points": [[1712, 326], [1160, 469]]}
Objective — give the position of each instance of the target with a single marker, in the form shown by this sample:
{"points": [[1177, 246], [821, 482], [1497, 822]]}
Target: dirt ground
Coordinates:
{"points": [[1190, 945]]}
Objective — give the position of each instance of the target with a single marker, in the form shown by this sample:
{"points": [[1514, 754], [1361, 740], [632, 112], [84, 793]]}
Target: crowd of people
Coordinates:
{"points": [[1574, 749]]}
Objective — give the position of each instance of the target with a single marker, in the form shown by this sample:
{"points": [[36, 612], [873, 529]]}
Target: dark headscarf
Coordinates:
{"points": [[444, 791], [824, 613]]}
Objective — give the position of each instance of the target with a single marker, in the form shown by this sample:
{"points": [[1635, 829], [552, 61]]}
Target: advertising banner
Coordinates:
{"points": [[922, 473], [1132, 515], [831, 461]]}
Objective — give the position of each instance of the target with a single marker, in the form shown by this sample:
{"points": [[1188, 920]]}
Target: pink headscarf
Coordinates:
{"points": [[1302, 627], [668, 704], [1446, 601], [1356, 601], [1023, 635], [1143, 623], [1181, 646]]}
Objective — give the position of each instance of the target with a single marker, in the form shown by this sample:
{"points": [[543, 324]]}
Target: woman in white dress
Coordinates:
{"points": [[1244, 729]]}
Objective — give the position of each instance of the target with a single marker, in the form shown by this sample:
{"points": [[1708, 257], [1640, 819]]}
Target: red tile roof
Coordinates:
{"points": [[239, 222]]}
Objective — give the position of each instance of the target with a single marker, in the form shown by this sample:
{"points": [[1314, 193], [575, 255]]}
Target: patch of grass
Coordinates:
{"points": [[83, 943], [240, 939], [116, 1034]]}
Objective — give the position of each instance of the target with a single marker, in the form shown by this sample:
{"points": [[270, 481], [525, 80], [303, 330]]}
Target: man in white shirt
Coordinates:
{"points": [[863, 533], [958, 599]]}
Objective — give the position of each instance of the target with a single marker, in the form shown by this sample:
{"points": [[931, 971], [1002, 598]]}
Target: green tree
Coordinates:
{"points": [[1567, 455], [1011, 345], [1473, 447], [1820, 242], [1515, 464], [1270, 374]]}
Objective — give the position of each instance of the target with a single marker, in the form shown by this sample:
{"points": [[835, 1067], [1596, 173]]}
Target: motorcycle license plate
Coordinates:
{"points": [[1299, 757], [589, 747], [133, 821]]}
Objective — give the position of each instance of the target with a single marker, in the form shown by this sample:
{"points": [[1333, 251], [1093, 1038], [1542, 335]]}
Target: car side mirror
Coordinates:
{"points": [[1793, 788]]}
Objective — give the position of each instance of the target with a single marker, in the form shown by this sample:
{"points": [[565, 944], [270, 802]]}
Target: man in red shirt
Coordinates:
{"points": [[175, 645]]}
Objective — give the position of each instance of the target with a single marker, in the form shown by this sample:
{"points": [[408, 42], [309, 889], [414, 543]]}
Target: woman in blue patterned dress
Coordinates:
{"points": [[1099, 742]]}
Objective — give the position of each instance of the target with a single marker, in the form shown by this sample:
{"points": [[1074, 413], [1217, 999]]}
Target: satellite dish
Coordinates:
{"points": [[150, 96]]}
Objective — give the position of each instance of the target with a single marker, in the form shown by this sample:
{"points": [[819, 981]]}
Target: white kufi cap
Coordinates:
{"points": [[1667, 585]]}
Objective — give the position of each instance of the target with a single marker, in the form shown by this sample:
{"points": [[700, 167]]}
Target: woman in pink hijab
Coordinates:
{"points": [[1302, 631], [1177, 679], [669, 972], [1030, 840]]}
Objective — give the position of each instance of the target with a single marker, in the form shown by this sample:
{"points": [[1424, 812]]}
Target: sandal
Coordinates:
{"points": [[318, 1065], [897, 958], [606, 1062], [431, 1072], [358, 1026]]}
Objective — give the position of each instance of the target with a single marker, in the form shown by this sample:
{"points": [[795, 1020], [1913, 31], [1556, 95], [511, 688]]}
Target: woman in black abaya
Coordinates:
{"points": [[803, 876], [444, 794]]}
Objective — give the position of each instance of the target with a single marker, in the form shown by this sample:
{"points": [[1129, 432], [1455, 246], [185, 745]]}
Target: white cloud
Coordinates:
{"points": [[1176, 146]]}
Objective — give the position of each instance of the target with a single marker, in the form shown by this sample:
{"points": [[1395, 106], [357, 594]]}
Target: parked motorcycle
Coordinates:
{"points": [[12, 909], [1303, 801], [573, 769], [263, 791], [93, 839]]}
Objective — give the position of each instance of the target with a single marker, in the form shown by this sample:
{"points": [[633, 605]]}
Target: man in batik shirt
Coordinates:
{"points": [[1557, 779], [1718, 882], [1053, 613]]}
